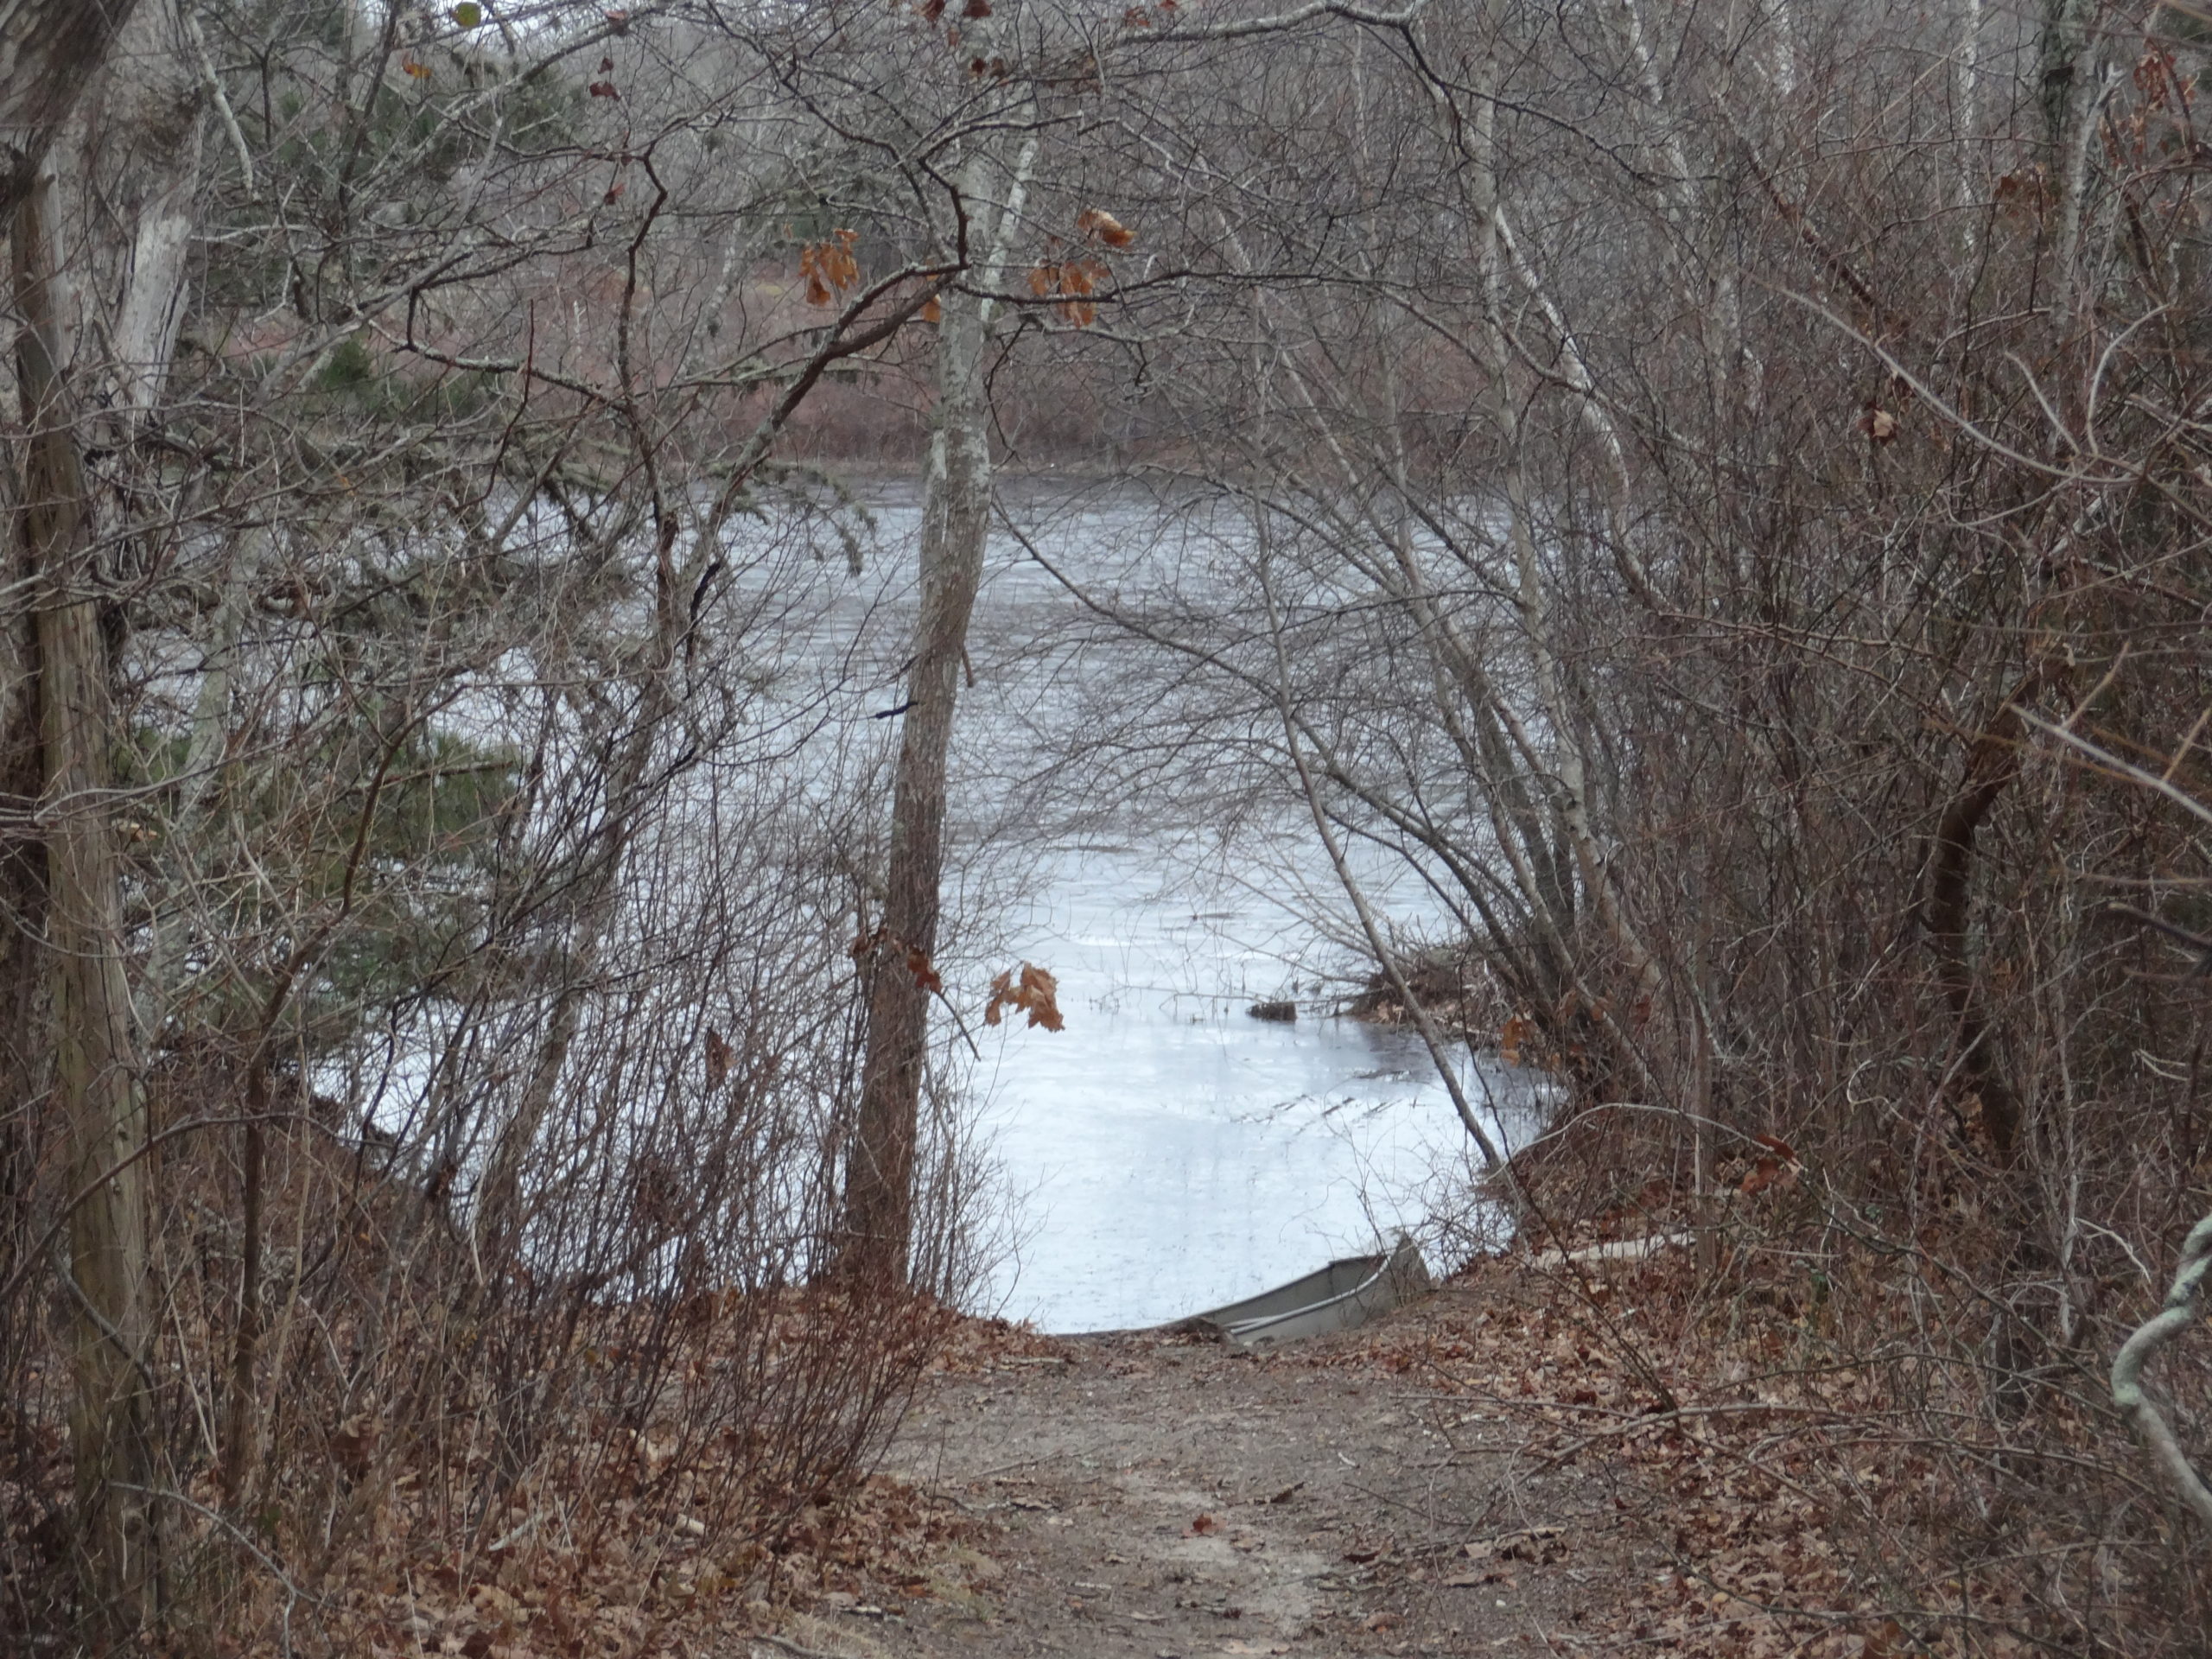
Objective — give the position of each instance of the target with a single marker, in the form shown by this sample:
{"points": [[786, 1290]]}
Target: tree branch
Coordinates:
{"points": [[2178, 1314]]}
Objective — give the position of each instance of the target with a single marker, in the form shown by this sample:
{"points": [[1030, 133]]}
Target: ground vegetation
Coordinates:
{"points": [[1719, 494]]}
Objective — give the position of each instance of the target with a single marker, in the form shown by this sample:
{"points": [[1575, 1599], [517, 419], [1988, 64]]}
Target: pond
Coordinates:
{"points": [[1167, 1151]]}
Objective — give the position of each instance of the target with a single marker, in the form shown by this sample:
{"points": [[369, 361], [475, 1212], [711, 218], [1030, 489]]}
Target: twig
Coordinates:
{"points": [[1661, 1420], [789, 1646]]}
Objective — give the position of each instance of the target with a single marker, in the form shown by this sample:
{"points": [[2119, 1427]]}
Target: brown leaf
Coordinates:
{"points": [[1513, 1036], [2024, 193], [1040, 996], [1098, 224], [354, 1444], [1206, 1523], [925, 977], [1036, 993], [829, 266], [719, 1055]]}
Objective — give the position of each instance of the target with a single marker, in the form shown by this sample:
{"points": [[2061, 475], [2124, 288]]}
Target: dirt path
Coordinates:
{"points": [[1149, 1496]]}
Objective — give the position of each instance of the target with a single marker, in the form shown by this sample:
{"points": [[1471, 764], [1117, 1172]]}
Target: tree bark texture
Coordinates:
{"points": [[49, 50], [1992, 763], [878, 1186], [97, 1083]]}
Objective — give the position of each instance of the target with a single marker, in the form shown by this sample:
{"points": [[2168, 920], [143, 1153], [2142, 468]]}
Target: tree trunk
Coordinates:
{"points": [[956, 514], [49, 50], [1992, 763], [97, 1086]]}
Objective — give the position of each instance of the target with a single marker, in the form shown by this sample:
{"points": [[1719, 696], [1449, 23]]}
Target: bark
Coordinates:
{"points": [[1991, 765], [97, 1084], [49, 50], [880, 1186], [241, 1442], [25, 1072], [956, 517]]}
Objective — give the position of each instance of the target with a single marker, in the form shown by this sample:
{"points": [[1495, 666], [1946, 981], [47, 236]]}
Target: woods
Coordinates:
{"points": [[1714, 496]]}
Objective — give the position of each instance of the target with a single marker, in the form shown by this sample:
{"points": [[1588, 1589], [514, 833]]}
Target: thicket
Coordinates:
{"points": [[1720, 492], [432, 846], [1723, 497]]}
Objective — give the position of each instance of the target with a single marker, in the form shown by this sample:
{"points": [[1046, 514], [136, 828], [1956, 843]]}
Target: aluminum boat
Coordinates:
{"points": [[1345, 1295]]}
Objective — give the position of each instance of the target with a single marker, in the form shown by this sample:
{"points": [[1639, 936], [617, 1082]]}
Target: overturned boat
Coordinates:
{"points": [[1339, 1297]]}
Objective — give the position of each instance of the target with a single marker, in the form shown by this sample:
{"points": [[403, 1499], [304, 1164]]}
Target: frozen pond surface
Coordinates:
{"points": [[1172, 1152], [1167, 1151]]}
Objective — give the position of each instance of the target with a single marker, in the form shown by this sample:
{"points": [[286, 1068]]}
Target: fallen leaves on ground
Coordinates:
{"points": [[1792, 1500]]}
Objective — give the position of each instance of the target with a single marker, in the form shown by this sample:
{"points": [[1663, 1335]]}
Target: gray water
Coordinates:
{"points": [[1166, 1152], [1170, 1153]]}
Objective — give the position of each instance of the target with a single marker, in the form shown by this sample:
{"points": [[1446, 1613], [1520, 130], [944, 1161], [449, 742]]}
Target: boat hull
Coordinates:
{"points": [[1342, 1296]]}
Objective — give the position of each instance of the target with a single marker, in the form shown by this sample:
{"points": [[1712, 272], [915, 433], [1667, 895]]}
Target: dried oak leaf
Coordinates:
{"points": [[1097, 223], [1513, 1036], [1035, 992]]}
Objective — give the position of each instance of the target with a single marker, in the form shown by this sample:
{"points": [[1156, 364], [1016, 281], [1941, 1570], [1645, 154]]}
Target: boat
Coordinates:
{"points": [[1345, 1295]]}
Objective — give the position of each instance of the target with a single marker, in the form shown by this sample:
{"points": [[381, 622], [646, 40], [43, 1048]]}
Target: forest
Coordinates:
{"points": [[1718, 494]]}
